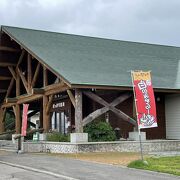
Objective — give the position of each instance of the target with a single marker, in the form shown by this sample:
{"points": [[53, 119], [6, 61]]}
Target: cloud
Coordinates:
{"points": [[153, 21]]}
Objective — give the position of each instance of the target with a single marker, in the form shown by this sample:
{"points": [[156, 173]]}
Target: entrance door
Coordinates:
{"points": [[60, 122]]}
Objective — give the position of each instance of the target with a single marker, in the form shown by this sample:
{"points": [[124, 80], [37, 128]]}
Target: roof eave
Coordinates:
{"points": [[127, 88]]}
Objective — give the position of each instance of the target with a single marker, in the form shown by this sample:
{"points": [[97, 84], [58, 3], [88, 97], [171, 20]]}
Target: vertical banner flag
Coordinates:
{"points": [[144, 99], [24, 119]]}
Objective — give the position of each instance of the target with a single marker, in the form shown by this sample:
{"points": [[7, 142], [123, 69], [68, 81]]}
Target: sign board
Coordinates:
{"points": [[144, 99]]}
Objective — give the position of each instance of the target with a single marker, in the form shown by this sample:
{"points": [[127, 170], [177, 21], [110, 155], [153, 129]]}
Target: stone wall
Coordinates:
{"points": [[119, 146]]}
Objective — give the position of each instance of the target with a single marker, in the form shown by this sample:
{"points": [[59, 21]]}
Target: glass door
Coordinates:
{"points": [[60, 122]]}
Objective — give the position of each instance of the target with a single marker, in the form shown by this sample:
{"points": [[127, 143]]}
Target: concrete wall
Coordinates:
{"points": [[119, 146]]}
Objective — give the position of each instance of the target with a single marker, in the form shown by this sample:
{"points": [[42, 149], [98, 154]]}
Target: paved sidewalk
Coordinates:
{"points": [[81, 169]]}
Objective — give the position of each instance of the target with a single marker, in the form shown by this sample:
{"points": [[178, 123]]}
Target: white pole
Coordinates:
{"points": [[139, 130]]}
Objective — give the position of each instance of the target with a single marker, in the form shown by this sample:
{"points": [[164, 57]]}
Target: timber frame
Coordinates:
{"points": [[26, 79]]}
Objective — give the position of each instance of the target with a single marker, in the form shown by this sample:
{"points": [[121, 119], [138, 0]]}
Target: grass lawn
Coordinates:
{"points": [[115, 158], [169, 165]]}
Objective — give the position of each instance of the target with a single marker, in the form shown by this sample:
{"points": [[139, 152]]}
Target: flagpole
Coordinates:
{"points": [[139, 130]]}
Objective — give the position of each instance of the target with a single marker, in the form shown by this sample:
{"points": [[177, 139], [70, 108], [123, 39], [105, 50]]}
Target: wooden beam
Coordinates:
{"points": [[55, 88], [21, 58], [9, 49], [23, 80], [103, 110], [41, 114], [45, 78], [2, 117], [29, 72], [6, 64], [49, 104], [14, 110], [118, 112], [96, 98], [94, 115], [10, 87], [11, 100], [28, 98], [21, 99], [71, 96], [18, 85], [55, 91], [37, 91], [18, 119], [78, 111], [15, 77], [46, 117], [35, 75], [12, 71], [8, 105], [4, 78], [50, 89]]}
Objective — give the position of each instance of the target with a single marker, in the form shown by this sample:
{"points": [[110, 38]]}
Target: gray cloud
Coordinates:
{"points": [[153, 21]]}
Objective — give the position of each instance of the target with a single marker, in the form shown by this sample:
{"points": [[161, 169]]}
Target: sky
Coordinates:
{"points": [[150, 21]]}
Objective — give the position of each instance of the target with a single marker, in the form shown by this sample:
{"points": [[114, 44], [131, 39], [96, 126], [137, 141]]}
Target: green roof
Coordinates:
{"points": [[82, 60]]}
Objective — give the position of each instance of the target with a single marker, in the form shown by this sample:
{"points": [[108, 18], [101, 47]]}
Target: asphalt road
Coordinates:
{"points": [[51, 167], [13, 173]]}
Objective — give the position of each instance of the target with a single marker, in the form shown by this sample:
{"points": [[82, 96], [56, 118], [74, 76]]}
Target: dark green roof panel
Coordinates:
{"points": [[95, 61]]}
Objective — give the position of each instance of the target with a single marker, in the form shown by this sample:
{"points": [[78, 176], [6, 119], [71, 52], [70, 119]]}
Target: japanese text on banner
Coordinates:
{"points": [[145, 102]]}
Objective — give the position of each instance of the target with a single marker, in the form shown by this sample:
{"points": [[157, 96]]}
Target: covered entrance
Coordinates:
{"points": [[61, 118]]}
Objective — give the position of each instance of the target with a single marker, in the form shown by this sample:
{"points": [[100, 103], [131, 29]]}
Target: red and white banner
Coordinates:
{"points": [[24, 119], [144, 99]]}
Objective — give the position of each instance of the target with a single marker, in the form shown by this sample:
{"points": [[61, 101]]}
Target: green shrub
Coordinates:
{"points": [[100, 131], [58, 137], [139, 164]]}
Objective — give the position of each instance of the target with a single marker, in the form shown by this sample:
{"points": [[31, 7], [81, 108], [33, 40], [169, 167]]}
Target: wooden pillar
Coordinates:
{"points": [[18, 85], [2, 122], [17, 108], [46, 116], [29, 73], [45, 78], [18, 119], [41, 115], [71, 96], [78, 111]]}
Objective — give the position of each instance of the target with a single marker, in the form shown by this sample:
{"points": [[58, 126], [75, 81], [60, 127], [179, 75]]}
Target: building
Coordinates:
{"points": [[71, 80]]}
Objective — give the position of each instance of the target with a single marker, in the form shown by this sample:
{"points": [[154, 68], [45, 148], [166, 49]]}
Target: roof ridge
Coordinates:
{"points": [[93, 37]]}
